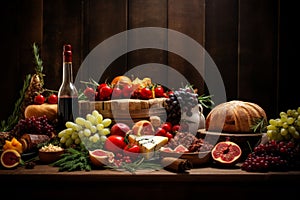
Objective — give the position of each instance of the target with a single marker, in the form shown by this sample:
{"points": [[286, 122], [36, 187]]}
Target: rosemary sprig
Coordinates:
{"points": [[39, 63], [206, 101], [134, 166], [259, 125], [13, 119], [73, 160]]}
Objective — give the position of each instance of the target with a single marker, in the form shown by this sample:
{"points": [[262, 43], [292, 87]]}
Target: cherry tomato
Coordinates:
{"points": [[105, 92], [101, 86], [168, 135], [89, 93], [132, 150], [53, 99], [115, 143], [146, 93], [160, 132], [159, 91], [176, 128], [39, 99], [117, 93], [127, 91], [167, 126]]}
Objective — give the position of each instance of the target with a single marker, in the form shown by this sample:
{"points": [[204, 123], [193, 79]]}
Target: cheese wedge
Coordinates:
{"points": [[148, 144]]}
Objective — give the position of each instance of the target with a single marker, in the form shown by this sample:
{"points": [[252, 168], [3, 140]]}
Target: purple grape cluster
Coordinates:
{"points": [[180, 101], [33, 125], [273, 156]]}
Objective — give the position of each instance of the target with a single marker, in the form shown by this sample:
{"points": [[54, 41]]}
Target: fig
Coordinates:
{"points": [[10, 158], [99, 157], [226, 153]]}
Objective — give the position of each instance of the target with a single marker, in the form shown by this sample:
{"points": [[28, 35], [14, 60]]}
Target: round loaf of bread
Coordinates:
{"points": [[234, 117], [50, 110]]}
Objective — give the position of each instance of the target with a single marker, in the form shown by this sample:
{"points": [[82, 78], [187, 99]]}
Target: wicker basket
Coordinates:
{"points": [[127, 111]]}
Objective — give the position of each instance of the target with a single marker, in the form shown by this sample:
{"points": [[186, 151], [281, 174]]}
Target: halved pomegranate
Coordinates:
{"points": [[226, 153]]}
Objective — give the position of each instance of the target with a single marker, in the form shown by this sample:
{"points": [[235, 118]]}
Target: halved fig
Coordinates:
{"points": [[100, 157], [226, 153]]}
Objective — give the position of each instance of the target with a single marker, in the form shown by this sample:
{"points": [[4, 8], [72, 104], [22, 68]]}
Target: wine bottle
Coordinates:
{"points": [[67, 94]]}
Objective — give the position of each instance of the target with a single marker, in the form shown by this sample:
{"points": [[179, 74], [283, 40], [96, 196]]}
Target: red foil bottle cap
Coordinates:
{"points": [[67, 53]]}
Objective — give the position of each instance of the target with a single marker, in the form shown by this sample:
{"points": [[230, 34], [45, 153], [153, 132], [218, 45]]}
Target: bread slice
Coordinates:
{"points": [[148, 144]]}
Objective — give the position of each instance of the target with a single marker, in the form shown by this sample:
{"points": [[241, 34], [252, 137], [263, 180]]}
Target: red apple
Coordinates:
{"points": [[119, 129]]}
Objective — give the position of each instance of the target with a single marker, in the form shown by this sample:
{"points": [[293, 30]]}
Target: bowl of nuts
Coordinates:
{"points": [[50, 153]]}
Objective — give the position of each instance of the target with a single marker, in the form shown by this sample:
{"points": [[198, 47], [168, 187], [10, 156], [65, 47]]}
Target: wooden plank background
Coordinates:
{"points": [[251, 42]]}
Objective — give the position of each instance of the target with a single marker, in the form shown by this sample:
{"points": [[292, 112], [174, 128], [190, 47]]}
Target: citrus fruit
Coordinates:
{"points": [[121, 81], [10, 158]]}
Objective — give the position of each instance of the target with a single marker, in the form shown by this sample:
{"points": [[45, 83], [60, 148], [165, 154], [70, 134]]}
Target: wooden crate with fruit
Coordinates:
{"points": [[125, 110]]}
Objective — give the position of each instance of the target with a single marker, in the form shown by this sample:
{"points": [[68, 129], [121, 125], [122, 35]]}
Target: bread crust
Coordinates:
{"points": [[234, 117], [50, 110]]}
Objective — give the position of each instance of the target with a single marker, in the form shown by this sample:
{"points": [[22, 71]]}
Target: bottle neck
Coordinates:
{"points": [[67, 72]]}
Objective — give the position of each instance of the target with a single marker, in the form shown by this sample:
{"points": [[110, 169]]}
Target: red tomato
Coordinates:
{"points": [[132, 150], [146, 93], [176, 128], [117, 93], [160, 132], [89, 93], [127, 91], [53, 99], [159, 91], [39, 99], [169, 135], [114, 143], [167, 126], [105, 92], [101, 86]]}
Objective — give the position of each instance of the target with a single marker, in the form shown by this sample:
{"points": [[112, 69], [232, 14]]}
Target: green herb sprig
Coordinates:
{"points": [[73, 160], [13, 119], [136, 165], [259, 125]]}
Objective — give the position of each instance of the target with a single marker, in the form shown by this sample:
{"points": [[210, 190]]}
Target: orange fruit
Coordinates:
{"points": [[121, 81]]}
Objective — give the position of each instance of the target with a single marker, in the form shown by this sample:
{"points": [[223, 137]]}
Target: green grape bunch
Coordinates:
{"points": [[90, 131], [286, 127]]}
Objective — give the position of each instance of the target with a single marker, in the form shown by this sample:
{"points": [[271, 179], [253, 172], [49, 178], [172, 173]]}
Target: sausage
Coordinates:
{"points": [[31, 141]]}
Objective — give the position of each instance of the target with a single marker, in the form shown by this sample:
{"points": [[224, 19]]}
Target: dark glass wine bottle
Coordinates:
{"points": [[67, 94]]}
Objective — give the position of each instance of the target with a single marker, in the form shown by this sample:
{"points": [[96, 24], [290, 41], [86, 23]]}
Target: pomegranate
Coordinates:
{"points": [[226, 153]]}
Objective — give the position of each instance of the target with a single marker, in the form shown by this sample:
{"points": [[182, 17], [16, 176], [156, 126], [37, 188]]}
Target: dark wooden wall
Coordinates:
{"points": [[251, 42]]}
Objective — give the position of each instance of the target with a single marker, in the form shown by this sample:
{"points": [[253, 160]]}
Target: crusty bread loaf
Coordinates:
{"points": [[50, 110], [234, 117]]}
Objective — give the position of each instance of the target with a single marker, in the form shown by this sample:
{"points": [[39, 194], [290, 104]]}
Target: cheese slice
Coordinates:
{"points": [[148, 144]]}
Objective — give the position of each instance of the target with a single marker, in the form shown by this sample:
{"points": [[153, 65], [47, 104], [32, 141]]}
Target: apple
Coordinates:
{"points": [[119, 129]]}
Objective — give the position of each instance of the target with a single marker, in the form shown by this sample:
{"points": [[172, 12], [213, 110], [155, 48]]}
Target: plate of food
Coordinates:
{"points": [[180, 152]]}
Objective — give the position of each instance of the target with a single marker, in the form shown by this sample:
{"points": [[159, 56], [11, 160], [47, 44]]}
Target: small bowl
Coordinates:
{"points": [[50, 157]]}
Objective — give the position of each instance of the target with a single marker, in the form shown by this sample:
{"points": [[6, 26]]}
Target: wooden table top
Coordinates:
{"points": [[201, 174]]}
